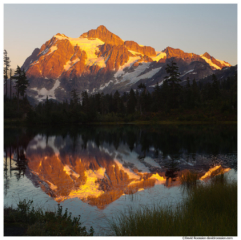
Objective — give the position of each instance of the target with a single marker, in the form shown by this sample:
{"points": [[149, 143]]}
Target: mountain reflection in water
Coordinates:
{"points": [[115, 163]]}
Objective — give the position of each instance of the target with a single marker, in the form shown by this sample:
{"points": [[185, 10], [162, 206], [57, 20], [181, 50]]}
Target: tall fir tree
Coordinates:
{"points": [[215, 87], [75, 99], [173, 81], [131, 102], [10, 83], [6, 62], [21, 83]]}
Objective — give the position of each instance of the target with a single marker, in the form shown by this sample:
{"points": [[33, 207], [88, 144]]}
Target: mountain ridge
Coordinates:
{"points": [[99, 60]]}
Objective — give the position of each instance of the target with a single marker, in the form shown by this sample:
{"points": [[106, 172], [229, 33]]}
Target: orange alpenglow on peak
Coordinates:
{"points": [[176, 52], [104, 35], [213, 62], [206, 55]]}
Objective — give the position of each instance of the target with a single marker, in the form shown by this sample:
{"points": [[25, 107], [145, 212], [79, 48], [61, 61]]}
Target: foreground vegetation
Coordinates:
{"points": [[36, 222], [209, 210]]}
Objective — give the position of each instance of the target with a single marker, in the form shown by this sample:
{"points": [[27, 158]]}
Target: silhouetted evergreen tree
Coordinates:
{"points": [[165, 103], [195, 94], [215, 87], [131, 102], [187, 95], [6, 65], [156, 104], [74, 97], [116, 102], [173, 81]]}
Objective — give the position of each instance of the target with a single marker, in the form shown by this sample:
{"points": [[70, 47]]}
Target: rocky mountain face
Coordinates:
{"points": [[100, 61]]}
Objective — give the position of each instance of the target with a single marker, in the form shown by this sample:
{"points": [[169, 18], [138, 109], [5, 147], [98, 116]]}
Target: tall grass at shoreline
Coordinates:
{"points": [[209, 210]]}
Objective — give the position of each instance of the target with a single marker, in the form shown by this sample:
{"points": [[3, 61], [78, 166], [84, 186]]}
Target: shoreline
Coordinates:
{"points": [[23, 123]]}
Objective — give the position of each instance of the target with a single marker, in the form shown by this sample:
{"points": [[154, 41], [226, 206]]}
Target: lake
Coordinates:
{"points": [[100, 171]]}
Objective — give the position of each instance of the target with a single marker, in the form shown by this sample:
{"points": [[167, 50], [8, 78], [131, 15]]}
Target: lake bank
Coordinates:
{"points": [[208, 210], [21, 122]]}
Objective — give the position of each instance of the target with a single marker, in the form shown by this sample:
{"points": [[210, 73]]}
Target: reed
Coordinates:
{"points": [[209, 210]]}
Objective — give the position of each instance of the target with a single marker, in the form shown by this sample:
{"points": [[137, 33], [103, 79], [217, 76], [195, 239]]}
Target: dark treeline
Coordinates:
{"points": [[216, 100], [15, 109]]}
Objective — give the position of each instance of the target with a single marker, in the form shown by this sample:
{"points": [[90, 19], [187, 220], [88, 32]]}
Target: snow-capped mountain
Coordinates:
{"points": [[101, 61]]}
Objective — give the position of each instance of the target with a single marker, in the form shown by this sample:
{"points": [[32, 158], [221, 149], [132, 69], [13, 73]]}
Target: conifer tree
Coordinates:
{"points": [[116, 102], [85, 102], [6, 62], [188, 95], [74, 97], [195, 93], [10, 83], [156, 98], [215, 87], [142, 96], [21, 83], [131, 103], [173, 81]]}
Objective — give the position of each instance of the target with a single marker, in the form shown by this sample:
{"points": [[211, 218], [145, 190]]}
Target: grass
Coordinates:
{"points": [[36, 222], [209, 210], [189, 180]]}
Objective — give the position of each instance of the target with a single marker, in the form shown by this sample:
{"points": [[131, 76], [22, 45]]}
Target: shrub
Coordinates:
{"points": [[40, 223]]}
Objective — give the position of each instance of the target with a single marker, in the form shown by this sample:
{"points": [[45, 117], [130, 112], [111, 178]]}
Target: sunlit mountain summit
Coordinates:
{"points": [[100, 61]]}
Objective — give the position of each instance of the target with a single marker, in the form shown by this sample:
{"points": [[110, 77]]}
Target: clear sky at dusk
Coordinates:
{"points": [[195, 28]]}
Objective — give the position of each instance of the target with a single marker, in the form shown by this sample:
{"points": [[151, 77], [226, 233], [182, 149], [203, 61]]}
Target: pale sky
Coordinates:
{"points": [[194, 28]]}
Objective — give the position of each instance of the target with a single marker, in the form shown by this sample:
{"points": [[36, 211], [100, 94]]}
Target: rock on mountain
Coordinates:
{"points": [[101, 61]]}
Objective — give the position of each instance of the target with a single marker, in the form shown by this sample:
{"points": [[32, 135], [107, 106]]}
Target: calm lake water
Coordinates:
{"points": [[100, 171]]}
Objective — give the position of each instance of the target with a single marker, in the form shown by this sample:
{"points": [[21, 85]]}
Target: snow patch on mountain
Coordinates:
{"points": [[159, 56], [149, 74], [69, 64], [209, 61], [97, 61], [187, 72], [129, 64], [224, 63], [135, 53], [43, 92], [105, 85], [137, 75], [159, 84], [133, 76], [52, 49], [89, 46], [48, 51]]}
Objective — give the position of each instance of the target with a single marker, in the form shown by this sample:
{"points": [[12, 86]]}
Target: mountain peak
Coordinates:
{"points": [[104, 35], [206, 55], [102, 27], [60, 35]]}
